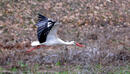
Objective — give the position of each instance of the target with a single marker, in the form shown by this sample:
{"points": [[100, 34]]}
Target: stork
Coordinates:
{"points": [[47, 34]]}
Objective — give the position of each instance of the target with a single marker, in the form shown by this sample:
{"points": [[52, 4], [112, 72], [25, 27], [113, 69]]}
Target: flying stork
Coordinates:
{"points": [[47, 34]]}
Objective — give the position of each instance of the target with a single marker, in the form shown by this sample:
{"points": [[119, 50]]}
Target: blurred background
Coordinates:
{"points": [[103, 26]]}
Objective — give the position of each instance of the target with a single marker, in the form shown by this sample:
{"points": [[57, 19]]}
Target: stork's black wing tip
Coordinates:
{"points": [[41, 17]]}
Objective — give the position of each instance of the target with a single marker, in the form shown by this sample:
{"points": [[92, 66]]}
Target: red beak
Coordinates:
{"points": [[80, 45]]}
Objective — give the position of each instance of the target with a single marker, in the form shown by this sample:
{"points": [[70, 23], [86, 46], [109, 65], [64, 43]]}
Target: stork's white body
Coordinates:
{"points": [[52, 38], [53, 42]]}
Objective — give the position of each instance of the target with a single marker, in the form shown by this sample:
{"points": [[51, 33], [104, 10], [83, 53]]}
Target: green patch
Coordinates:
{"points": [[14, 69], [78, 67], [99, 66], [36, 67], [0, 50], [21, 64], [71, 9], [1, 69], [123, 70], [58, 63]]}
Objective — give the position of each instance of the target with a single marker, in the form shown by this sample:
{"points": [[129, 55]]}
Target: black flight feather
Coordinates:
{"points": [[41, 17], [43, 28]]}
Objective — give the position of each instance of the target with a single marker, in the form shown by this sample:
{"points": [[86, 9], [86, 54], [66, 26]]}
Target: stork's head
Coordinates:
{"points": [[77, 44]]}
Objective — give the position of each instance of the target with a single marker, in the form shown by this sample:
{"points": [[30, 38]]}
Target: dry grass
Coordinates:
{"points": [[102, 25]]}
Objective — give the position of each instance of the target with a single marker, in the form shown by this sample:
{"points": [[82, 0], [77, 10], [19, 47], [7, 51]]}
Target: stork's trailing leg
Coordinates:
{"points": [[37, 47]]}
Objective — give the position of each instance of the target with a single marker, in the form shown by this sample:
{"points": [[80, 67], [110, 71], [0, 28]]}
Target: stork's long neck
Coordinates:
{"points": [[66, 43]]}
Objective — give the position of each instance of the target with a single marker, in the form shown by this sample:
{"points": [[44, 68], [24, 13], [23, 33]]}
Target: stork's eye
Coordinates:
{"points": [[49, 24]]}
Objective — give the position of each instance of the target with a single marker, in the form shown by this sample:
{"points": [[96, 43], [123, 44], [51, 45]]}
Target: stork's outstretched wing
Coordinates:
{"points": [[42, 33], [43, 28]]}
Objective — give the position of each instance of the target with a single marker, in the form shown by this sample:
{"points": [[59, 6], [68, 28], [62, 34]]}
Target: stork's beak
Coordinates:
{"points": [[80, 45]]}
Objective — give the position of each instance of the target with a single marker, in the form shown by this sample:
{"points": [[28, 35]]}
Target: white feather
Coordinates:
{"points": [[53, 33], [35, 43]]}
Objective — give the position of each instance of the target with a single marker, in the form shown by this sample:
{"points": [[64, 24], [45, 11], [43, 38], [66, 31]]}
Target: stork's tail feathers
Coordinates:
{"points": [[35, 43]]}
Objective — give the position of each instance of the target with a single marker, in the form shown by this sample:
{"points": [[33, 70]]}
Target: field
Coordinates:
{"points": [[103, 26]]}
